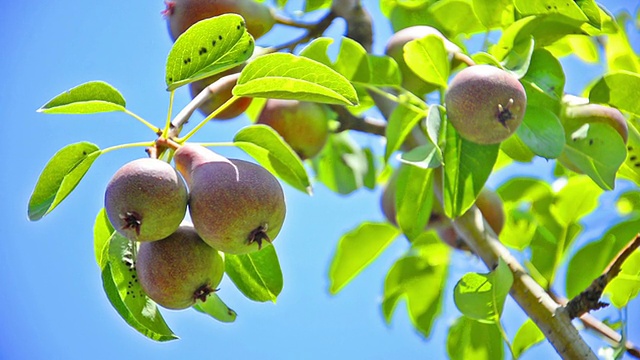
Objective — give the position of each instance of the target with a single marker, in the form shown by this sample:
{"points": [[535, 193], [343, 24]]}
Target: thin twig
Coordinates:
{"points": [[315, 31], [348, 121], [589, 299]]}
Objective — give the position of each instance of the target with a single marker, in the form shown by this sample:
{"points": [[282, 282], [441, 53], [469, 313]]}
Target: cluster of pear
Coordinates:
{"points": [[236, 207], [488, 202]]}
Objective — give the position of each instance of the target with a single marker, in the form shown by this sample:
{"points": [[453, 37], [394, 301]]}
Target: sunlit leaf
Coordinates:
{"points": [[272, 152], [257, 275], [216, 308], [402, 120], [287, 76], [467, 168], [470, 339], [356, 250], [481, 296], [428, 59], [413, 199], [420, 280], [597, 150], [619, 89], [125, 293], [89, 98], [527, 336], [208, 47], [60, 177], [342, 165], [494, 14], [542, 132]]}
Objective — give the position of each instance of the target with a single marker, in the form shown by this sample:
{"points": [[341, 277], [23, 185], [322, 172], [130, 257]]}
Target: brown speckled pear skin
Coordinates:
{"points": [[485, 104], [146, 200], [177, 271], [236, 206]]}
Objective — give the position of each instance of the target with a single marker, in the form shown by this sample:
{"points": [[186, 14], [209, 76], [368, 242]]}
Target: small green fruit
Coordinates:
{"points": [[236, 206], [303, 125], [146, 200], [485, 104], [179, 270], [181, 14]]}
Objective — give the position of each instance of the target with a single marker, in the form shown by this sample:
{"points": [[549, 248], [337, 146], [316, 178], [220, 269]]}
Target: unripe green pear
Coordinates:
{"points": [[303, 125], [179, 270], [236, 206], [220, 88], [485, 104], [181, 14], [394, 48], [146, 200]]}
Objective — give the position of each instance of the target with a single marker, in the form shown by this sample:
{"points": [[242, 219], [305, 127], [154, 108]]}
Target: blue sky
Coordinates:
{"points": [[52, 305]]}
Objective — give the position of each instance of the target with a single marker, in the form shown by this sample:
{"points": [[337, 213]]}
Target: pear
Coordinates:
{"points": [[146, 200], [179, 270], [485, 104], [236, 206]]}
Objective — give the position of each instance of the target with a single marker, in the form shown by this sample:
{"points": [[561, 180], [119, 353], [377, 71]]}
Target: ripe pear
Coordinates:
{"points": [[177, 271], [303, 125], [146, 200], [485, 104], [236, 206], [220, 88], [181, 14]]}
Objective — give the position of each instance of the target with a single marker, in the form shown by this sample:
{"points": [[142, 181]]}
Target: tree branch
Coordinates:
{"points": [[589, 299], [548, 315], [368, 124]]}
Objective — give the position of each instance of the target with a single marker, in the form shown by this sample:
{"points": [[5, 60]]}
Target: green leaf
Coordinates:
{"points": [[125, 293], [494, 14], [455, 17], [89, 98], [60, 176], [470, 339], [102, 232], [625, 287], [481, 296], [589, 262], [597, 150], [545, 7], [342, 166], [629, 169], [428, 58], [271, 151], [619, 89], [208, 47], [216, 308], [287, 76], [420, 279], [354, 63], [515, 148], [517, 61], [356, 250], [467, 168], [578, 198], [257, 275], [545, 30], [519, 196], [402, 120], [414, 200], [312, 5], [542, 132], [544, 81], [527, 336]]}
